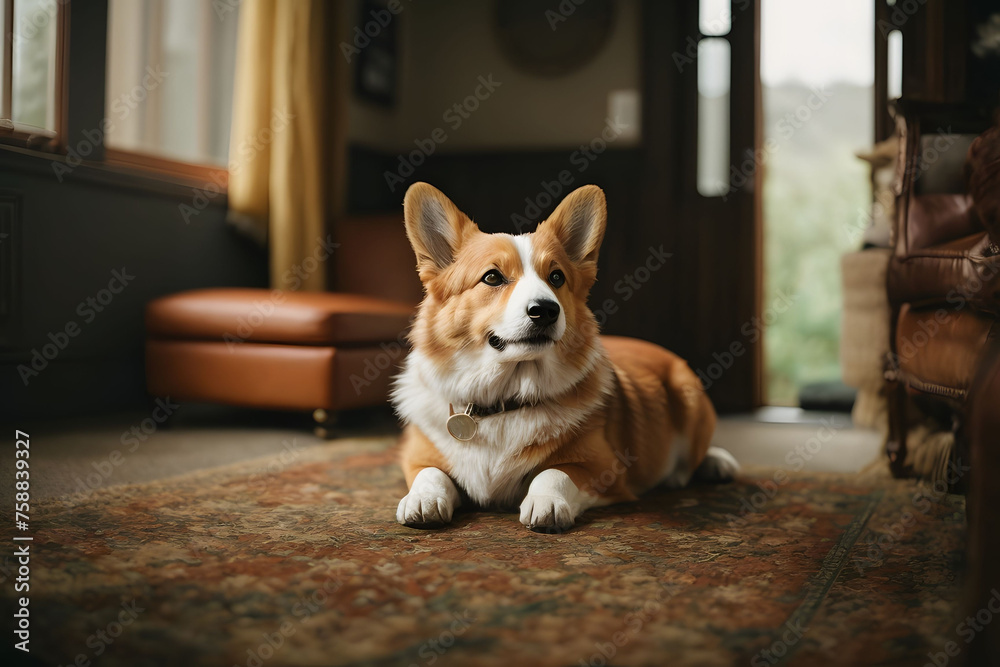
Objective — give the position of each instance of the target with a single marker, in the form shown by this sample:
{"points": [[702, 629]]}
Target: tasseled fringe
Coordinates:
{"points": [[928, 452]]}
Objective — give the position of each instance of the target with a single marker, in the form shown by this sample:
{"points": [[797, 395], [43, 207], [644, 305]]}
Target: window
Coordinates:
{"points": [[169, 78], [895, 65], [168, 84], [714, 23], [29, 70], [713, 117], [715, 17]]}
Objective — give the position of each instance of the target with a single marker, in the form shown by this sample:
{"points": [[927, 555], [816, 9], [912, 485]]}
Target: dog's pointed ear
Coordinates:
{"points": [[579, 222], [435, 227]]}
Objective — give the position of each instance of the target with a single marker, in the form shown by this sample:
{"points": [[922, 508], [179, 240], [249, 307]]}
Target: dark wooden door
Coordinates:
{"points": [[710, 298]]}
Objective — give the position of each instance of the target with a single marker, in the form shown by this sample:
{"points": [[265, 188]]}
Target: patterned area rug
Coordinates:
{"points": [[300, 562]]}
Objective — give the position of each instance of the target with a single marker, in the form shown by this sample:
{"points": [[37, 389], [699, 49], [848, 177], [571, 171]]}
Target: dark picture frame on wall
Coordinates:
{"points": [[376, 67]]}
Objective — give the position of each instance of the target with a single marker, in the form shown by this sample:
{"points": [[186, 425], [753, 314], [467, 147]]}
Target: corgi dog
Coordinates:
{"points": [[509, 395]]}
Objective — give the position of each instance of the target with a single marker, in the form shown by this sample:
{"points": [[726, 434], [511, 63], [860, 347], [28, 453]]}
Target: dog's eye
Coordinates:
{"points": [[557, 279], [493, 278]]}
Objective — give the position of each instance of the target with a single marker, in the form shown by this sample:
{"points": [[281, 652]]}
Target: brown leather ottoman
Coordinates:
{"points": [[262, 348]]}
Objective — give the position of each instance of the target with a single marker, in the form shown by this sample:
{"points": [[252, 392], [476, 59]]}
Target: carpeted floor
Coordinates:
{"points": [[298, 561]]}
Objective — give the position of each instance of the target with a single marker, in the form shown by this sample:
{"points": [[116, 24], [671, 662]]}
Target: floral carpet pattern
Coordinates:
{"points": [[300, 562]]}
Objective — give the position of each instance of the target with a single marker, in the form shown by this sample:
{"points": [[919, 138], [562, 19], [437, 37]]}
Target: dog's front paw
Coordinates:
{"points": [[546, 514], [718, 466], [431, 501], [553, 502], [424, 510]]}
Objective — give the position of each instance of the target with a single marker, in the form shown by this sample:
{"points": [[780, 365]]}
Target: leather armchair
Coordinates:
{"points": [[943, 279]]}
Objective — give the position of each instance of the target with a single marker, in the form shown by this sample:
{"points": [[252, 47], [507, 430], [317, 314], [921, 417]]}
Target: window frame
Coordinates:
{"points": [[19, 136], [204, 174]]}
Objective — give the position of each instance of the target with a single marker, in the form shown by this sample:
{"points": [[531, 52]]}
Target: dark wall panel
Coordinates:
{"points": [[80, 240]]}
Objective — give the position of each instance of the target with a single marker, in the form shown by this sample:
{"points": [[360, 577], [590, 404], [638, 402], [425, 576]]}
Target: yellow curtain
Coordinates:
{"points": [[287, 140]]}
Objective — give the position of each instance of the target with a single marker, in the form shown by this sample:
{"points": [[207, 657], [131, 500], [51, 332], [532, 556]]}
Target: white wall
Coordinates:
{"points": [[446, 45]]}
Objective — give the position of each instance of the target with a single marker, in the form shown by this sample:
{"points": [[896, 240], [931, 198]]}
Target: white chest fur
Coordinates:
{"points": [[489, 468]]}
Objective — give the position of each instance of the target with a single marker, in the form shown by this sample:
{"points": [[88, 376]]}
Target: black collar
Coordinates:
{"points": [[480, 411]]}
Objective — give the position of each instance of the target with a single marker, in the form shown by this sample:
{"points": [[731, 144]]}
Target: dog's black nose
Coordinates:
{"points": [[543, 312]]}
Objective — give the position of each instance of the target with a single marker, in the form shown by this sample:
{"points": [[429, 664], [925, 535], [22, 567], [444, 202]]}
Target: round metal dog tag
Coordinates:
{"points": [[462, 426]]}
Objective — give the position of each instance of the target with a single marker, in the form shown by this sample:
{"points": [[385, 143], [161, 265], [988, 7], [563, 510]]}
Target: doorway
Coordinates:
{"points": [[817, 88]]}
